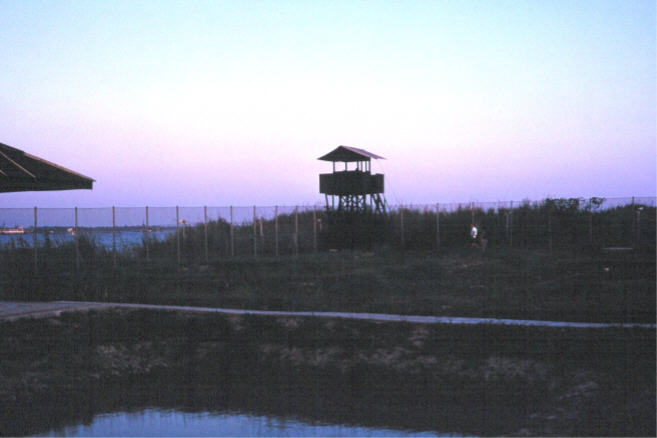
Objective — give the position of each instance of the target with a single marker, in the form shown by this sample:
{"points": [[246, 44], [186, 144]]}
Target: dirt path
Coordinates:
{"points": [[13, 310], [21, 309]]}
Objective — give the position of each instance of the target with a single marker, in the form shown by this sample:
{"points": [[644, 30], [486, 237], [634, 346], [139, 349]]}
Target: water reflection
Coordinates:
{"points": [[169, 407], [187, 369], [156, 422]]}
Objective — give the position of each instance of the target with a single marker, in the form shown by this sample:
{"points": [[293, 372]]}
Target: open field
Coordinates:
{"points": [[480, 380], [516, 283]]}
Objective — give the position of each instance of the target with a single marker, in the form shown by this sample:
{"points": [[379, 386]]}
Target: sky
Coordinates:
{"points": [[220, 103]]}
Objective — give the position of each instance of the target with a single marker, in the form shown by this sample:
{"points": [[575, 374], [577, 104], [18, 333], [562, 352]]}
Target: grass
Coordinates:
{"points": [[483, 380], [467, 379], [544, 261], [502, 283]]}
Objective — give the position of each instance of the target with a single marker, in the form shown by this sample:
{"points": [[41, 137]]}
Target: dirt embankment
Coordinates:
{"points": [[464, 379]]}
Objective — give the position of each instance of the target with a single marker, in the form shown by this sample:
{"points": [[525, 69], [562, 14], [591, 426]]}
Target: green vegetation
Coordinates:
{"points": [[544, 261], [549, 261], [504, 283], [573, 224], [481, 380]]}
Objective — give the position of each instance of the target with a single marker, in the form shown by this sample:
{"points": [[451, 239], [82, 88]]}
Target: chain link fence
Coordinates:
{"points": [[195, 235]]}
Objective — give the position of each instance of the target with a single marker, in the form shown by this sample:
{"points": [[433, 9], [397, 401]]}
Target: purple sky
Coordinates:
{"points": [[231, 103]]}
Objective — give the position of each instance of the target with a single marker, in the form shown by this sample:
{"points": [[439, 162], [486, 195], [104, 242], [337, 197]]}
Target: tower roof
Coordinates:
{"points": [[349, 154]]}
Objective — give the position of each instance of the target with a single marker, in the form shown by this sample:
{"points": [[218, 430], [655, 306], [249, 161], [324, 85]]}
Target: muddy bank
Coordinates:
{"points": [[483, 380]]}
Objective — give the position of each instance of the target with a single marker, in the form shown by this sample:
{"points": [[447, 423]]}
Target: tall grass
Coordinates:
{"points": [[550, 224], [516, 277]]}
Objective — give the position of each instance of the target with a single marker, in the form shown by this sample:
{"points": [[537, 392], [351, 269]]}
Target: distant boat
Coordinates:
{"points": [[17, 230]]}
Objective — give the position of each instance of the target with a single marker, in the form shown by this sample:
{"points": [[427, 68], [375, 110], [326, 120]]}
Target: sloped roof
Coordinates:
{"points": [[21, 172], [349, 154]]}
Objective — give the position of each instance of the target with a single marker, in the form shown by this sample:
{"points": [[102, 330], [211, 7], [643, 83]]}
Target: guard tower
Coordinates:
{"points": [[353, 184]]}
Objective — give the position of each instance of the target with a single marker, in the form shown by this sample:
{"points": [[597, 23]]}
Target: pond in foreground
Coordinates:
{"points": [[162, 422]]}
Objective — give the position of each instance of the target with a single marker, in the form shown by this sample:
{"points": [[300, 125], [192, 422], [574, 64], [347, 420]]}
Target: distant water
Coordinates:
{"points": [[155, 422], [124, 239]]}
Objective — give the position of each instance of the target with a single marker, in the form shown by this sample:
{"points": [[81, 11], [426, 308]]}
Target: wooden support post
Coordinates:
{"points": [[276, 230], [549, 230], [314, 228], [255, 233], [401, 226], [296, 231], [205, 229], [178, 233], [633, 224], [511, 225], [232, 234], [114, 236], [437, 227], [36, 243], [77, 242], [472, 210], [590, 228], [526, 227], [148, 236], [506, 226], [638, 227]]}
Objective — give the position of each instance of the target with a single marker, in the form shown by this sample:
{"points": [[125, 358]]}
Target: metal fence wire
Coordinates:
{"points": [[196, 235]]}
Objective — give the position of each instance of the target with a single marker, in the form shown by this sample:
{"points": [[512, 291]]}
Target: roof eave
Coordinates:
{"points": [[352, 154]]}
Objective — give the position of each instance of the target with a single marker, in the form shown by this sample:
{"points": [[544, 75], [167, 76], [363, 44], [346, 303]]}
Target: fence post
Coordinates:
{"points": [[591, 227], [114, 236], [276, 230], [401, 226], [205, 226], [511, 225], [296, 230], [525, 228], [497, 221], [178, 233], [77, 242], [315, 228], [549, 230], [638, 227], [232, 234], [36, 259], [506, 226], [472, 209], [255, 234], [148, 236], [438, 227], [633, 224]]}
